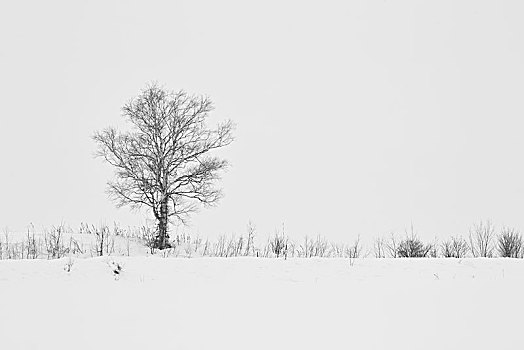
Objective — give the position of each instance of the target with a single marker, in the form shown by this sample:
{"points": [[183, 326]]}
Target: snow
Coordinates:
{"points": [[255, 303]]}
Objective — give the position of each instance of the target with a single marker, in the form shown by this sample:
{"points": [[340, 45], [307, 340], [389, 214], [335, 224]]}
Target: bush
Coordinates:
{"points": [[392, 246], [278, 245], [54, 242], [510, 243], [456, 247], [481, 240], [104, 242], [315, 248], [379, 247], [148, 234], [412, 247]]}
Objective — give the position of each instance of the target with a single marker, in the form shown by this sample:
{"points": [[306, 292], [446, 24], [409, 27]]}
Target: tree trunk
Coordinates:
{"points": [[162, 241]]}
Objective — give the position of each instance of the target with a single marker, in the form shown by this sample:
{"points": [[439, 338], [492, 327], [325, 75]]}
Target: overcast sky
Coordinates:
{"points": [[353, 117]]}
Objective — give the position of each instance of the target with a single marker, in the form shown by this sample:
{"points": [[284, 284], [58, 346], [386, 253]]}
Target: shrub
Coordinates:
{"points": [[392, 246], [278, 245], [412, 247], [433, 249], [481, 238], [250, 245], [317, 248], [379, 247], [54, 242], [104, 242], [510, 243], [32, 246], [148, 234], [455, 247]]}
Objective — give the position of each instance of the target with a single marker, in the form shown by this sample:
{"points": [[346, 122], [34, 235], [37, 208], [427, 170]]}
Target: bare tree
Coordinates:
{"points": [[481, 239], [163, 163]]}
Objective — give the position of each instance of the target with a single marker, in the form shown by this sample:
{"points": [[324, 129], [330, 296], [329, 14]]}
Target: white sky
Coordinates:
{"points": [[353, 117]]}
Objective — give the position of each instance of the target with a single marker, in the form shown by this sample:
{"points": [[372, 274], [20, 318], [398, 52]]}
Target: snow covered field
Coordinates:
{"points": [[250, 303]]}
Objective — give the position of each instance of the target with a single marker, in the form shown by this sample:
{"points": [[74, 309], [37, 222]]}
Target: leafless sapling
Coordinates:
{"points": [[379, 246], [392, 246], [481, 238], [251, 231]]}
